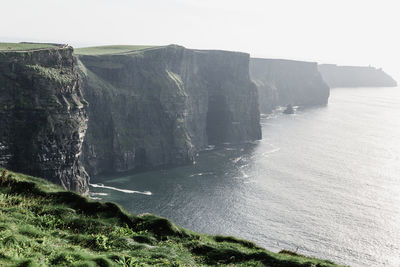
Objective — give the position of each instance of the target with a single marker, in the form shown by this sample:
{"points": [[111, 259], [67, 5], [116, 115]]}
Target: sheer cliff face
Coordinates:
{"points": [[351, 76], [42, 116], [283, 82], [159, 106]]}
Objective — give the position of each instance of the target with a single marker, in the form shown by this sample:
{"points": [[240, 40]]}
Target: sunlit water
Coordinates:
{"points": [[324, 182]]}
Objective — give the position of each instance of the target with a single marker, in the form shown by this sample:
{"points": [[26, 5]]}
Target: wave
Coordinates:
{"points": [[243, 166], [235, 160], [209, 147], [244, 175], [201, 174], [148, 193]]}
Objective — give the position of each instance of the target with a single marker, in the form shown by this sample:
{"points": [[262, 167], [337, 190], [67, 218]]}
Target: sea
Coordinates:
{"points": [[323, 182]]}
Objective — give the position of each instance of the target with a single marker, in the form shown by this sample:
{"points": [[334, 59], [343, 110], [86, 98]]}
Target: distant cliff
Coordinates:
{"points": [[351, 76], [158, 106], [42, 115], [282, 82]]}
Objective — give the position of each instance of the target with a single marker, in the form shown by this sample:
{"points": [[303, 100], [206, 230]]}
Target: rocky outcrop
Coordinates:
{"points": [[157, 107], [352, 76], [282, 82], [43, 120]]}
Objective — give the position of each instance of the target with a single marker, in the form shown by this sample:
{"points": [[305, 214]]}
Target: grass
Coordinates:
{"points": [[23, 46], [110, 49], [42, 225]]}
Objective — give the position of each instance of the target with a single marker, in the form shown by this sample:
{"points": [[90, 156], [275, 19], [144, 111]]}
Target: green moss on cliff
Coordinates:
{"points": [[110, 49], [59, 74], [42, 225]]}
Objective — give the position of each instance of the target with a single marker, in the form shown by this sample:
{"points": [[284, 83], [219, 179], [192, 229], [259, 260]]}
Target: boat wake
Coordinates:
{"points": [[272, 150], [148, 193], [98, 194]]}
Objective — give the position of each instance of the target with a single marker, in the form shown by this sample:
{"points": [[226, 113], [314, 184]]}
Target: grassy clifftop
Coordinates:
{"points": [[24, 46], [110, 49], [42, 225]]}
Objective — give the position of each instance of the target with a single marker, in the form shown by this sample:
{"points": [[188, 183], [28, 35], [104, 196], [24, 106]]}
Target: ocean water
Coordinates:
{"points": [[324, 182]]}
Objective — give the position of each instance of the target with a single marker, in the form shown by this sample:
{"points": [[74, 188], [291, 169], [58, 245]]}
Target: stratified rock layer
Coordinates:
{"points": [[352, 76], [42, 115], [158, 106], [282, 82]]}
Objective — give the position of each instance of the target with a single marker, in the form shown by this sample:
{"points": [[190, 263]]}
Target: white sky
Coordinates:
{"points": [[352, 32]]}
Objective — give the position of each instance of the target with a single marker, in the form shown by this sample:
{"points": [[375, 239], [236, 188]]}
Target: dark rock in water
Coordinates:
{"points": [[42, 114], [352, 76], [289, 109], [287, 81], [158, 106]]}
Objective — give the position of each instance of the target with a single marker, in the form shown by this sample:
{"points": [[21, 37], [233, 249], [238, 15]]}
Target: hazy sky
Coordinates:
{"points": [[357, 32]]}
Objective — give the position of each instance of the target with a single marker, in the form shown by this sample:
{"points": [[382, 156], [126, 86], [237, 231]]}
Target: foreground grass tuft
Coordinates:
{"points": [[43, 225]]}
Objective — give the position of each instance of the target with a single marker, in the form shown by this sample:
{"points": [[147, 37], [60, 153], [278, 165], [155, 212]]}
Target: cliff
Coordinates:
{"points": [[282, 82], [42, 114], [90, 233], [157, 106], [351, 76]]}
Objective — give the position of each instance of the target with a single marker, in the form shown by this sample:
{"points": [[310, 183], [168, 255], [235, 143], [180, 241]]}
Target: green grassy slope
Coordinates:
{"points": [[23, 46], [110, 49], [42, 225]]}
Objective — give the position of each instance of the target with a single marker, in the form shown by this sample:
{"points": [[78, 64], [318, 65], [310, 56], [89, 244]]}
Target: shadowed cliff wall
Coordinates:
{"points": [[159, 106], [43, 120]]}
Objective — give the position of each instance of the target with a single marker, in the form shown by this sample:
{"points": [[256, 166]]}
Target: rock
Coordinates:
{"points": [[158, 107], [43, 117], [352, 76], [287, 81]]}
